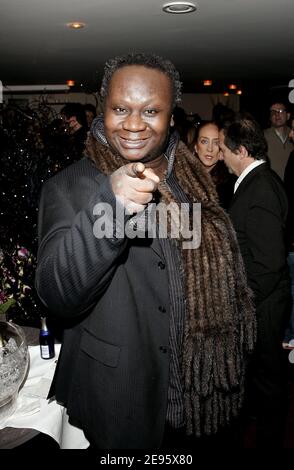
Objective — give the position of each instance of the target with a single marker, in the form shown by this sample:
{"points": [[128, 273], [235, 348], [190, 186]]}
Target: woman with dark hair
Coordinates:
{"points": [[206, 147]]}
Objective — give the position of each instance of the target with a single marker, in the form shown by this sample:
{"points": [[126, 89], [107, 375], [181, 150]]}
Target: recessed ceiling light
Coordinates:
{"points": [[179, 7], [76, 25]]}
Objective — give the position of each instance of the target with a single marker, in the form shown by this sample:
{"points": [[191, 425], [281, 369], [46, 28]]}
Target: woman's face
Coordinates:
{"points": [[207, 146]]}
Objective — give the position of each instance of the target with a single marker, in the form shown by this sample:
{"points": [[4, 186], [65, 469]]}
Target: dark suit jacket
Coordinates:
{"points": [[113, 370], [258, 211], [289, 187]]}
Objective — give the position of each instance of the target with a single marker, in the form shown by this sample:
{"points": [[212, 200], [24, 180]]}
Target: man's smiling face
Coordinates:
{"points": [[138, 111]]}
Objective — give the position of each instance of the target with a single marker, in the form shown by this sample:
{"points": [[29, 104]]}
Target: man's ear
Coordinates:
{"points": [[288, 116], [242, 152]]}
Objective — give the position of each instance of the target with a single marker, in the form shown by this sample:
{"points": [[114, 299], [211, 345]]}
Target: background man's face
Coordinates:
{"points": [[278, 115], [137, 112]]}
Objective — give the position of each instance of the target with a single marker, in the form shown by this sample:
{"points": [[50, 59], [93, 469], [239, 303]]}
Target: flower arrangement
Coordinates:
{"points": [[33, 148], [18, 298]]}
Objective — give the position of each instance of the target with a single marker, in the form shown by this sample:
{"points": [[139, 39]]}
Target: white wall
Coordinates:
{"points": [[56, 100], [203, 104]]}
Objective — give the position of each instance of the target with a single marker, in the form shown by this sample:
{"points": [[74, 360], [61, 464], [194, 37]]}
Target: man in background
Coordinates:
{"points": [[277, 137], [75, 119], [258, 211]]}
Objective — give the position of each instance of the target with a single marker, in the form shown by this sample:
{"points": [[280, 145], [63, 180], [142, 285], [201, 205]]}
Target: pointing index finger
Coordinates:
{"points": [[136, 170]]}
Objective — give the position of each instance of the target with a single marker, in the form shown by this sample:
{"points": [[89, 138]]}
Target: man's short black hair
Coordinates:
{"points": [[147, 60], [244, 130]]}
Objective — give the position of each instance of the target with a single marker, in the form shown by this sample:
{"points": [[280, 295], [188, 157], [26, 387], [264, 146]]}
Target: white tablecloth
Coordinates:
{"points": [[34, 411]]}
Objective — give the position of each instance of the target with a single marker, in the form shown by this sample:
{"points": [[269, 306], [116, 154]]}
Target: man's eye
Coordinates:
{"points": [[150, 112], [120, 110]]}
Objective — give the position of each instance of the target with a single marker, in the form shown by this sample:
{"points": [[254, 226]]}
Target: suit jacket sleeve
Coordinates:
{"points": [[74, 267], [266, 243]]}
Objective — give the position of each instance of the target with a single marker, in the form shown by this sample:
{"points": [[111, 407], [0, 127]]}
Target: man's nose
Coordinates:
{"points": [[134, 123]]}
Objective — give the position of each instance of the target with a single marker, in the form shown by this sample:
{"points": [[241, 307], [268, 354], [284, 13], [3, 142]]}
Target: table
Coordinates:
{"points": [[34, 413]]}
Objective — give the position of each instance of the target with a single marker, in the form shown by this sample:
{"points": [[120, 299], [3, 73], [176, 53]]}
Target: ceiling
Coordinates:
{"points": [[223, 39]]}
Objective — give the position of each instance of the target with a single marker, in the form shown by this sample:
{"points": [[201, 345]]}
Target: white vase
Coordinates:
{"points": [[14, 365]]}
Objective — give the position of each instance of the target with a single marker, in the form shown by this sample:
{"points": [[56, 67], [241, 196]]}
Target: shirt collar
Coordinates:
{"points": [[283, 138], [247, 170]]}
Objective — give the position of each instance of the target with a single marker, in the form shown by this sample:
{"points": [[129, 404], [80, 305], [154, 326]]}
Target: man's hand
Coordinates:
{"points": [[134, 185]]}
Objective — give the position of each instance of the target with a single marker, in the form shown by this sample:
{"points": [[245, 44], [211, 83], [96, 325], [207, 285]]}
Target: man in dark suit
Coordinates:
{"points": [[258, 211], [159, 330]]}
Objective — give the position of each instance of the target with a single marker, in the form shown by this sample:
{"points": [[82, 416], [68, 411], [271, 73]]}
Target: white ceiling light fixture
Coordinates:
{"points": [[26, 88], [179, 7]]}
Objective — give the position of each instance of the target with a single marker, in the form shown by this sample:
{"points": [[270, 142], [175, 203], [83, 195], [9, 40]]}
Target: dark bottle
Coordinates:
{"points": [[46, 340]]}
